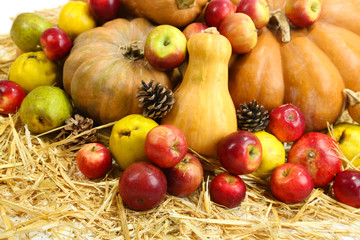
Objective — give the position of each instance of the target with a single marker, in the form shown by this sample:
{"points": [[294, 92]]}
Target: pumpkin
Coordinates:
{"points": [[178, 13], [310, 70], [203, 109], [105, 67]]}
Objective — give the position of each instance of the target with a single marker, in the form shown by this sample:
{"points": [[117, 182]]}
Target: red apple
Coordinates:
{"points": [[347, 187], [257, 10], [303, 13], [11, 96], [105, 10], [316, 151], [240, 152], [217, 10], [165, 145], [142, 186], [55, 43], [94, 160], [193, 28], [165, 47], [291, 183], [287, 123], [227, 189], [240, 30], [185, 177]]}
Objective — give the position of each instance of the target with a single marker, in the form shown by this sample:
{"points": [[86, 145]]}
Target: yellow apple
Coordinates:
{"points": [[273, 154], [127, 139], [348, 137]]}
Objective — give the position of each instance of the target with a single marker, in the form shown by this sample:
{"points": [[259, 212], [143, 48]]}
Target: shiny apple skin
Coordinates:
{"points": [[291, 183], [303, 13], [142, 186], [105, 10], [165, 145], [257, 10], [194, 28], [228, 190], [287, 122], [240, 152], [316, 151], [11, 96], [346, 187], [93, 160], [217, 10], [240, 30], [184, 178], [55, 43]]}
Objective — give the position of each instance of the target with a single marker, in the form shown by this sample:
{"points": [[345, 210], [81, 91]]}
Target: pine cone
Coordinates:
{"points": [[252, 117], [76, 125], [155, 99]]}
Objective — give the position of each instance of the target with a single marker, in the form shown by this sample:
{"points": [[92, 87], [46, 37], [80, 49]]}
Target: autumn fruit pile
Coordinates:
{"points": [[253, 84]]}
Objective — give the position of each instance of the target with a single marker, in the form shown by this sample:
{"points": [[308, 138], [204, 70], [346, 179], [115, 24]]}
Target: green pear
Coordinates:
{"points": [[45, 108], [26, 31]]}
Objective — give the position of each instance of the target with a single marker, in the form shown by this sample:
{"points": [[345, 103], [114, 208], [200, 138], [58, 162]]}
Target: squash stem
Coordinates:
{"points": [[133, 50], [278, 21], [184, 4]]}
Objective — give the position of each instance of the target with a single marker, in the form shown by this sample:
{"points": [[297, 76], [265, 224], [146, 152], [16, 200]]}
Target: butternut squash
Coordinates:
{"points": [[203, 109]]}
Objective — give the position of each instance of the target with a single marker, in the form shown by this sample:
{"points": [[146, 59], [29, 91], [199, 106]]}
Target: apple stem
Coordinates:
{"points": [[353, 97], [133, 51], [278, 21], [183, 4]]}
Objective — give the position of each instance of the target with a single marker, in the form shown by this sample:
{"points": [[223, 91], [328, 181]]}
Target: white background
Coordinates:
{"points": [[11, 8]]}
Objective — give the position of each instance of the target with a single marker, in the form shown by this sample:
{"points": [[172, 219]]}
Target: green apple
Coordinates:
{"points": [[348, 137], [165, 47], [45, 108], [127, 139], [273, 154], [26, 30]]}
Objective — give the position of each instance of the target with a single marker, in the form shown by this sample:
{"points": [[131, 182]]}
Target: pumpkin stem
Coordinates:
{"points": [[134, 50], [279, 21], [353, 98], [183, 4]]}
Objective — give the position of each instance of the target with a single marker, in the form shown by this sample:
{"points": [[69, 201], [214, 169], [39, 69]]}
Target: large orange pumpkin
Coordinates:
{"points": [[178, 13], [310, 71], [105, 67]]}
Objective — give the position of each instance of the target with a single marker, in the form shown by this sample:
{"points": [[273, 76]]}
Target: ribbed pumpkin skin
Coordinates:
{"points": [[101, 81], [204, 110], [310, 71], [164, 11]]}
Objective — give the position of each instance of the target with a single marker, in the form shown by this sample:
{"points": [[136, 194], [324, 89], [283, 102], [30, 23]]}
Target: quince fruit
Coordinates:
{"points": [[348, 137], [273, 154], [127, 139]]}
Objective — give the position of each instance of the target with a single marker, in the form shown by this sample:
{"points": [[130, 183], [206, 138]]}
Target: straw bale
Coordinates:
{"points": [[43, 194]]}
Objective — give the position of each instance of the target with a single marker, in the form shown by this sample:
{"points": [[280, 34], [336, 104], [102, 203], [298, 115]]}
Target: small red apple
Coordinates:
{"points": [[240, 30], [217, 10], [347, 187], [303, 13], [94, 160], [165, 145], [316, 151], [287, 122], [105, 10], [240, 152], [291, 183], [185, 177], [257, 10], [227, 189], [193, 28], [55, 43], [165, 47], [142, 186], [11, 96]]}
